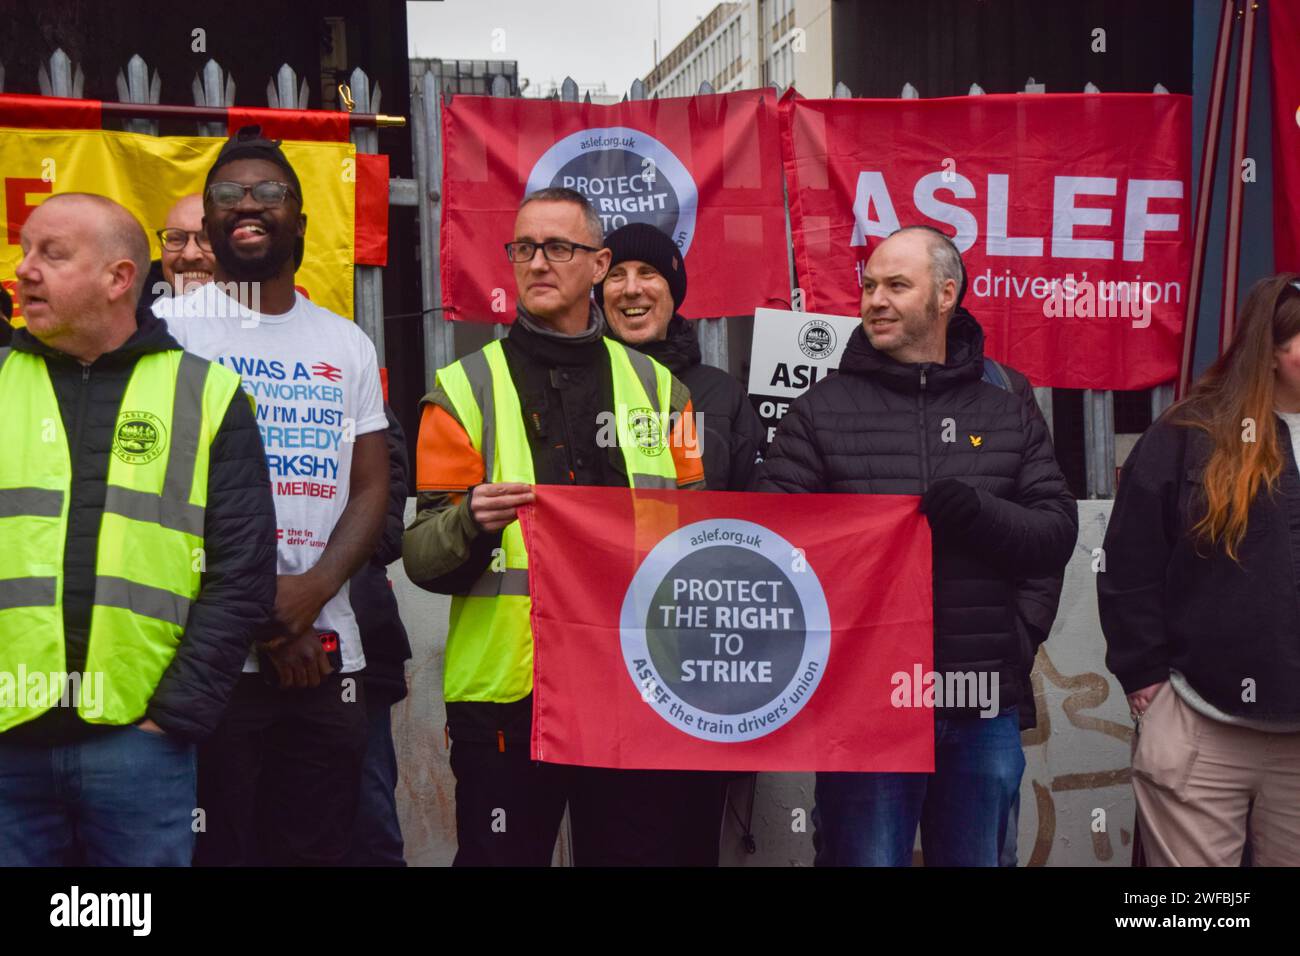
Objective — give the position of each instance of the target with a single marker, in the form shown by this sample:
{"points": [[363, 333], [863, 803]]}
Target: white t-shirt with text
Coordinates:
{"points": [[315, 377]]}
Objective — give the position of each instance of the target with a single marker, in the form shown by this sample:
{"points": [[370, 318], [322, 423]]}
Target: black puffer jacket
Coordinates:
{"points": [[238, 585], [1037, 598], [383, 637], [1170, 603], [732, 433], [879, 427]]}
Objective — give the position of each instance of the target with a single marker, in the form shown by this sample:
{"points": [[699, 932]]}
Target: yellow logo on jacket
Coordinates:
{"points": [[976, 441], [140, 437]]}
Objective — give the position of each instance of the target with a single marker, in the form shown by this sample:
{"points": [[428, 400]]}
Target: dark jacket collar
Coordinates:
{"points": [[965, 359], [539, 344], [151, 335], [679, 351]]}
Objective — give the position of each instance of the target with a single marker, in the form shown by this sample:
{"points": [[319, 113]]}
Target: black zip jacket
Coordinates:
{"points": [[383, 637], [238, 584], [563, 385], [1165, 606], [1037, 598], [731, 433], [879, 427]]}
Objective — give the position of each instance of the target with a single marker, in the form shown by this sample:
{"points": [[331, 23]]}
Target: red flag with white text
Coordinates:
{"points": [[1072, 213], [726, 631], [706, 170]]}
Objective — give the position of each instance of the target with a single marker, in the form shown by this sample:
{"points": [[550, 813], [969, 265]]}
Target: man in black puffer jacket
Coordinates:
{"points": [[909, 413], [157, 626], [641, 293]]}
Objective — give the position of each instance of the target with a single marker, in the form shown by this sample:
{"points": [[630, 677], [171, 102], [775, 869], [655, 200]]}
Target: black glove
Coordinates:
{"points": [[951, 505]]}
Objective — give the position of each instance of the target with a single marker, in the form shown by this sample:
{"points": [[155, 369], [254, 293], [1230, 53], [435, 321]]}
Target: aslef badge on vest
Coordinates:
{"points": [[646, 431], [140, 437]]}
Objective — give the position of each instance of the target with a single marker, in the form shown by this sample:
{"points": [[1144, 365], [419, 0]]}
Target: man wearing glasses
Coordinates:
{"points": [[522, 411], [279, 779], [187, 258]]}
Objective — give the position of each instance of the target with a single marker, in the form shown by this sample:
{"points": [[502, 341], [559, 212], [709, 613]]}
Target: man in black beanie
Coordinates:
{"points": [[641, 295]]}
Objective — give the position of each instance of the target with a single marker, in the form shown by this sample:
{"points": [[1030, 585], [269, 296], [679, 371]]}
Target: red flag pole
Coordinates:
{"points": [[219, 114], [1240, 124], [1205, 191]]}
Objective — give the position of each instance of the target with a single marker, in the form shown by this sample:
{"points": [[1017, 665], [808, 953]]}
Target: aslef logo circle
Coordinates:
{"points": [[140, 437], [627, 175], [643, 423], [719, 637], [817, 339]]}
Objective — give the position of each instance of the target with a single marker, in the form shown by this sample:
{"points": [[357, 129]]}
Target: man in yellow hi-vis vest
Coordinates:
{"points": [[538, 408], [138, 535]]}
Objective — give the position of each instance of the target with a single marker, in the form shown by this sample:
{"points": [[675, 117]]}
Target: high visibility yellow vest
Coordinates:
{"points": [[149, 556], [489, 639]]}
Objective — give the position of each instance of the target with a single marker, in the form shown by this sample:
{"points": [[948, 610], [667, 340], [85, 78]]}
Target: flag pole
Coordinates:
{"points": [[1240, 126], [1205, 190], [219, 114]]}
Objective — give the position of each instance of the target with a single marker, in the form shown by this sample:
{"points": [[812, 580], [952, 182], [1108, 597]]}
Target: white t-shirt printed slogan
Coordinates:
{"points": [[313, 374]]}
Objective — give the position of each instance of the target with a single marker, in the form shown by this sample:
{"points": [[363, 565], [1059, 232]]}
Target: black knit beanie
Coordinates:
{"points": [[642, 242]]}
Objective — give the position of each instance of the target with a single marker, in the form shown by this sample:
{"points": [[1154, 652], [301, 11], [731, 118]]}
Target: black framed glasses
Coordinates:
{"points": [[174, 240], [265, 193], [554, 250]]}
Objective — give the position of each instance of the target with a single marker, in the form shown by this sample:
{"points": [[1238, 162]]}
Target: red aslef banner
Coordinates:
{"points": [[704, 169], [1072, 212], [725, 631], [1283, 31]]}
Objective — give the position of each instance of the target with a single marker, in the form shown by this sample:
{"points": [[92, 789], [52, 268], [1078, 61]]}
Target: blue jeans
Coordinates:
{"points": [[123, 797], [1010, 855], [870, 819], [377, 834]]}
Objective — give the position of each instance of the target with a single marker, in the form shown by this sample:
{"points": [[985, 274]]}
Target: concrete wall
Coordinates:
{"points": [[1077, 758]]}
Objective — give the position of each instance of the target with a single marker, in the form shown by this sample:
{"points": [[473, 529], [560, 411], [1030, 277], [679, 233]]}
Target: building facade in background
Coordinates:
{"points": [[469, 77], [721, 51], [749, 44]]}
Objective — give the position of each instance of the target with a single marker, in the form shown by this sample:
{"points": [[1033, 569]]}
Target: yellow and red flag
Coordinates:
{"points": [[50, 145]]}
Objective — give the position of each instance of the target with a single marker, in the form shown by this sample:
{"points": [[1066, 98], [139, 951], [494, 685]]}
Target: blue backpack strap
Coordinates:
{"points": [[996, 375]]}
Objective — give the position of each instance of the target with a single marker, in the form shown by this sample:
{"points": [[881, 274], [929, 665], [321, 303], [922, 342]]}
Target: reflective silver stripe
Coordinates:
{"points": [[28, 592], [33, 502], [480, 380], [174, 513], [653, 481], [142, 599], [644, 367], [512, 581], [187, 423]]}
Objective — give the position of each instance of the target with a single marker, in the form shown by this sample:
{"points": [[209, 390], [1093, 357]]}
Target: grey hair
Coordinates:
{"points": [[563, 194], [945, 260], [120, 236]]}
